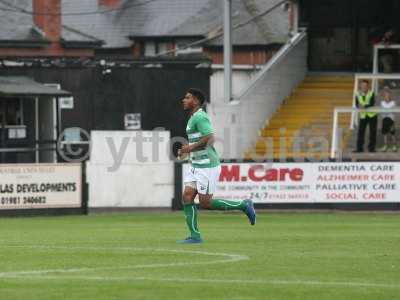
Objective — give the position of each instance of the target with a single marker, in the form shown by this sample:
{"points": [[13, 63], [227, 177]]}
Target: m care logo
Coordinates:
{"points": [[259, 173]]}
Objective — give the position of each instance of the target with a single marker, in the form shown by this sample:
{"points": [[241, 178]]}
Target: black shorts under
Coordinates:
{"points": [[388, 126]]}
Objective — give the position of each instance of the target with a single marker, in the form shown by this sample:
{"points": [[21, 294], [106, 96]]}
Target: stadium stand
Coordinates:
{"points": [[305, 118]]}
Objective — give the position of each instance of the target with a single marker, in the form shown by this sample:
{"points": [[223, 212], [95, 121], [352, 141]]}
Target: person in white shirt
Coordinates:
{"points": [[388, 124]]}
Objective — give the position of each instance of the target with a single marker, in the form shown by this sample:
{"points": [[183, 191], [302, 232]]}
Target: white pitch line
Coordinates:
{"points": [[347, 284], [229, 258]]}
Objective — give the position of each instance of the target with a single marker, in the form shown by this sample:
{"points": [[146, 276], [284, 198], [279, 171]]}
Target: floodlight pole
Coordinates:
{"points": [[228, 50]]}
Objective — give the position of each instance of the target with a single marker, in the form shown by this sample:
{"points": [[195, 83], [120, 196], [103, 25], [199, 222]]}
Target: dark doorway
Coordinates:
{"points": [[342, 32]]}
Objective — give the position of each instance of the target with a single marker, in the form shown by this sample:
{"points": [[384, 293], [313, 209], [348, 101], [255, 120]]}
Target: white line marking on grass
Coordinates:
{"points": [[226, 258], [345, 284]]}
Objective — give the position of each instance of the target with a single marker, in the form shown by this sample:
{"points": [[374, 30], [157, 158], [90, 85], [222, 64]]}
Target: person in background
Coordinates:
{"points": [[386, 56], [365, 98], [388, 123]]}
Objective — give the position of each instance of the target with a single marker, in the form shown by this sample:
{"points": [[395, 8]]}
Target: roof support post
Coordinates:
{"points": [[228, 50]]}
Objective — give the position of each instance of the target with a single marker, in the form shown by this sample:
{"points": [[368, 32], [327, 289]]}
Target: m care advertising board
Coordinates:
{"points": [[369, 182], [32, 186]]}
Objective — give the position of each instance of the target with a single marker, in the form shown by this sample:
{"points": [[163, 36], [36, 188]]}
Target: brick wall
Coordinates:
{"points": [[240, 57], [48, 18], [55, 50], [109, 3]]}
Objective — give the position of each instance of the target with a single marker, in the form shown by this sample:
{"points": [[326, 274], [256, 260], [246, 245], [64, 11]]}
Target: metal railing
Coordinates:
{"points": [[352, 110], [374, 78]]}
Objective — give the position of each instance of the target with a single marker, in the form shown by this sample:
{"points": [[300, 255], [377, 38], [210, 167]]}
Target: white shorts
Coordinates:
{"points": [[204, 180]]}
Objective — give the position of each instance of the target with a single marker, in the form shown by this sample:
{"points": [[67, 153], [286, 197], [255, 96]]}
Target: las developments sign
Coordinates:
{"points": [[31, 186], [370, 182]]}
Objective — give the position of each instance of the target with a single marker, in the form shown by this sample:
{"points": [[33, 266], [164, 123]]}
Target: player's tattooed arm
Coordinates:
{"points": [[204, 141]]}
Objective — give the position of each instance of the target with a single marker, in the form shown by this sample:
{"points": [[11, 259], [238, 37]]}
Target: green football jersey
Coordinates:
{"points": [[198, 126]]}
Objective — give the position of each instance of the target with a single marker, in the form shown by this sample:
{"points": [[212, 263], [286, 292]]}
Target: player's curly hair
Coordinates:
{"points": [[198, 94]]}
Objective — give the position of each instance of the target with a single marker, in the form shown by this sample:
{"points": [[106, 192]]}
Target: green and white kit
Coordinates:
{"points": [[205, 166], [203, 176]]}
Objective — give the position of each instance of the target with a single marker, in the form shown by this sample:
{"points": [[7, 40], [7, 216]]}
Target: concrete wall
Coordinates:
{"points": [[125, 173], [237, 124], [241, 77]]}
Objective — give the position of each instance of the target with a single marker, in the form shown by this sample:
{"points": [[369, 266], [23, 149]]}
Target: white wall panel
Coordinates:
{"points": [[128, 181]]}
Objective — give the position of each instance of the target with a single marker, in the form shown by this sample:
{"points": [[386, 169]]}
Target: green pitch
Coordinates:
{"points": [[134, 256]]}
